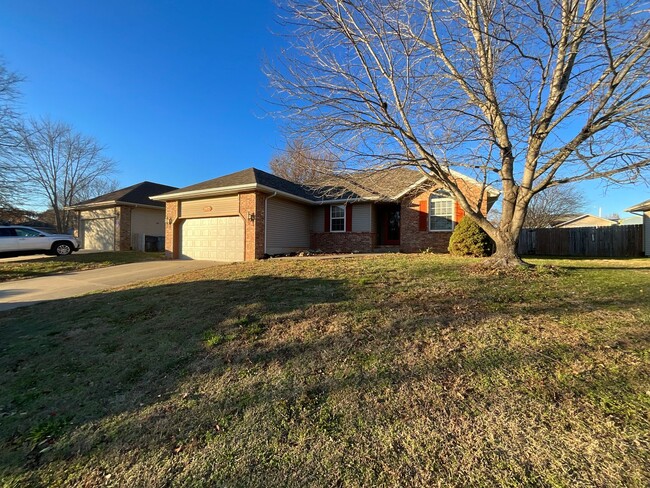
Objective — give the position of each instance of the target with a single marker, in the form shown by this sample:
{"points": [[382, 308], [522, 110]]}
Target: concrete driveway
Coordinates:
{"points": [[20, 293]]}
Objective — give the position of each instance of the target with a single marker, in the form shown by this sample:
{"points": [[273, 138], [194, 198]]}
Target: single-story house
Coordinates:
{"points": [[123, 220], [644, 209], [586, 220], [251, 214]]}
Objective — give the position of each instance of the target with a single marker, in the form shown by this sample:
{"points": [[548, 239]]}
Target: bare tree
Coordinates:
{"points": [[550, 205], [301, 164], [61, 165], [9, 119], [520, 94]]}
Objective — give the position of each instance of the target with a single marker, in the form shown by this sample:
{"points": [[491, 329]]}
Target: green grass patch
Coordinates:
{"points": [[392, 370], [33, 268]]}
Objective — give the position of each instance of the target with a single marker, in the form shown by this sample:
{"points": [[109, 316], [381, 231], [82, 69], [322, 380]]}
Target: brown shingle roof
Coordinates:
{"points": [[387, 184], [249, 176], [383, 184], [137, 194]]}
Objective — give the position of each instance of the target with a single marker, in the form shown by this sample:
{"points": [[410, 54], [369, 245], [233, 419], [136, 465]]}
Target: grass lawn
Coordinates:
{"points": [[32, 268], [384, 371]]}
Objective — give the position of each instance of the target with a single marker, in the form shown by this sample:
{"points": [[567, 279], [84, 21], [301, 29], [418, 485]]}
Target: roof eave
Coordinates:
{"points": [[112, 203], [641, 207], [84, 206], [227, 190]]}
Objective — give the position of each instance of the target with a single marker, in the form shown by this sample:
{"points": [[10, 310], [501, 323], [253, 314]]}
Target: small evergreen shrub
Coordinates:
{"points": [[468, 239]]}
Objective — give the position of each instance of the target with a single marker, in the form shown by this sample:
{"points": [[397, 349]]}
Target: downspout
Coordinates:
{"points": [[266, 218]]}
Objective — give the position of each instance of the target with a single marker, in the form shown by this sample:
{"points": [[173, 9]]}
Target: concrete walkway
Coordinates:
{"points": [[20, 293]]}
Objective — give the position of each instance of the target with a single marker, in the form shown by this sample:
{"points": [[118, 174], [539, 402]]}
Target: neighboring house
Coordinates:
{"points": [[251, 213], [643, 208], [586, 220], [633, 220], [123, 220]]}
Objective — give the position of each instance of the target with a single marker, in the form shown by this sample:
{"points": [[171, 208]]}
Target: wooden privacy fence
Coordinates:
{"points": [[616, 241]]}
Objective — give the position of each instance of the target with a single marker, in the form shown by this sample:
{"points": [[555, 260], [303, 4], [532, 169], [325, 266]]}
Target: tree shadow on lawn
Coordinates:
{"points": [[254, 416], [127, 358], [75, 361]]}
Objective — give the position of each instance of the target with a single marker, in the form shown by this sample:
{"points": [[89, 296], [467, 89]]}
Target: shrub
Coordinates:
{"points": [[468, 239]]}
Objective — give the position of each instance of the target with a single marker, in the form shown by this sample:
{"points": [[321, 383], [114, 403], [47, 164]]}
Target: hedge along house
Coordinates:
{"points": [[122, 220], [250, 214]]}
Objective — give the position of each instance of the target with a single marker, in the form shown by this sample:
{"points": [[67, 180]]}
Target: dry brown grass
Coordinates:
{"points": [[44, 266], [385, 371]]}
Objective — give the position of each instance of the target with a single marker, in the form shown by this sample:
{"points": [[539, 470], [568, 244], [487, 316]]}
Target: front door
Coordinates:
{"points": [[390, 223]]}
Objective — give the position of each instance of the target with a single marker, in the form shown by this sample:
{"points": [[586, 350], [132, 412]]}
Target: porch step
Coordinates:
{"points": [[385, 249]]}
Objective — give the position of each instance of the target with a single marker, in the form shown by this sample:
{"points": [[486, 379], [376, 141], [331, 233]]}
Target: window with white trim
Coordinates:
{"points": [[337, 218], [441, 211]]}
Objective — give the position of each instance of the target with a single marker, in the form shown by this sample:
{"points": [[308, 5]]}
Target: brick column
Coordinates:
{"points": [[172, 226], [123, 229], [251, 209]]}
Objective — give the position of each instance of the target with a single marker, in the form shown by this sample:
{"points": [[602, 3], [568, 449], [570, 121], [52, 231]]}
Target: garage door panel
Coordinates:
{"points": [[98, 234], [215, 239]]}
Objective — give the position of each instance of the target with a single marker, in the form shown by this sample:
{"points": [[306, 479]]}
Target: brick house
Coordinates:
{"points": [[250, 214]]}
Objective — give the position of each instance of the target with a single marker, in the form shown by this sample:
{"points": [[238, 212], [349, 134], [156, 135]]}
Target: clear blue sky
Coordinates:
{"points": [[173, 89]]}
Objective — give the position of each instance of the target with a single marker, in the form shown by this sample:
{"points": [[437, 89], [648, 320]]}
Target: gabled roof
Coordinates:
{"points": [[247, 179], [387, 185], [133, 195], [605, 222], [639, 207]]}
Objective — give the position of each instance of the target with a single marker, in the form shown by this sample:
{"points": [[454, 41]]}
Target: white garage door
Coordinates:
{"points": [[215, 239], [98, 234]]}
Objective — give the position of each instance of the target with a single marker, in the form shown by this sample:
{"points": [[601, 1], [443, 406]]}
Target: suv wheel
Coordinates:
{"points": [[62, 248]]}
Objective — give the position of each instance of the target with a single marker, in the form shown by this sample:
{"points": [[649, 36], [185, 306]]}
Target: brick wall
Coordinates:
{"points": [[413, 239], [343, 241], [123, 229]]}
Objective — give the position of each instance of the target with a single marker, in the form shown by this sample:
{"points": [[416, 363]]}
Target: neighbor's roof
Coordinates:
{"points": [[137, 194], [586, 216], [389, 184], [639, 207]]}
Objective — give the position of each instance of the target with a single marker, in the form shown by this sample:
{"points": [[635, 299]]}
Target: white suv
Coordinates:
{"points": [[16, 239]]}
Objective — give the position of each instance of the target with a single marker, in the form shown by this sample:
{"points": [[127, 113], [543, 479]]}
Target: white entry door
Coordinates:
{"points": [[213, 239]]}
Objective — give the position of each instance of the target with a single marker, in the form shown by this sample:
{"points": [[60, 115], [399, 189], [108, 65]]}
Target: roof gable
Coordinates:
{"points": [[249, 178], [592, 218]]}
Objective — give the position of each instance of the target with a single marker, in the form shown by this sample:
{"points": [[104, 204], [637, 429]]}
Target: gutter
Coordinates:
{"points": [[112, 203], [266, 216]]}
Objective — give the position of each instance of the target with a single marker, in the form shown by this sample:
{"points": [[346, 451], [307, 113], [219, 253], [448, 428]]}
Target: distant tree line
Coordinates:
{"points": [[44, 161]]}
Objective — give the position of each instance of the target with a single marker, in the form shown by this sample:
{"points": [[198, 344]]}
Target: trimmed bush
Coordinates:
{"points": [[468, 239]]}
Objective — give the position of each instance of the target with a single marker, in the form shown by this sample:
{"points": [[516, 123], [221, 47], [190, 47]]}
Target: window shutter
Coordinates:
{"points": [[424, 214], [327, 218], [348, 218], [460, 213]]}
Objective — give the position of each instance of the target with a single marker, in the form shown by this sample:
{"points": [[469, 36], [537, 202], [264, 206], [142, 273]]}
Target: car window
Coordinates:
{"points": [[4, 232], [22, 232]]}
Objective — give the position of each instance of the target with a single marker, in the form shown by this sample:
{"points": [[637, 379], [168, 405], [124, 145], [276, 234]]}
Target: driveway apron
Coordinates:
{"points": [[20, 293]]}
